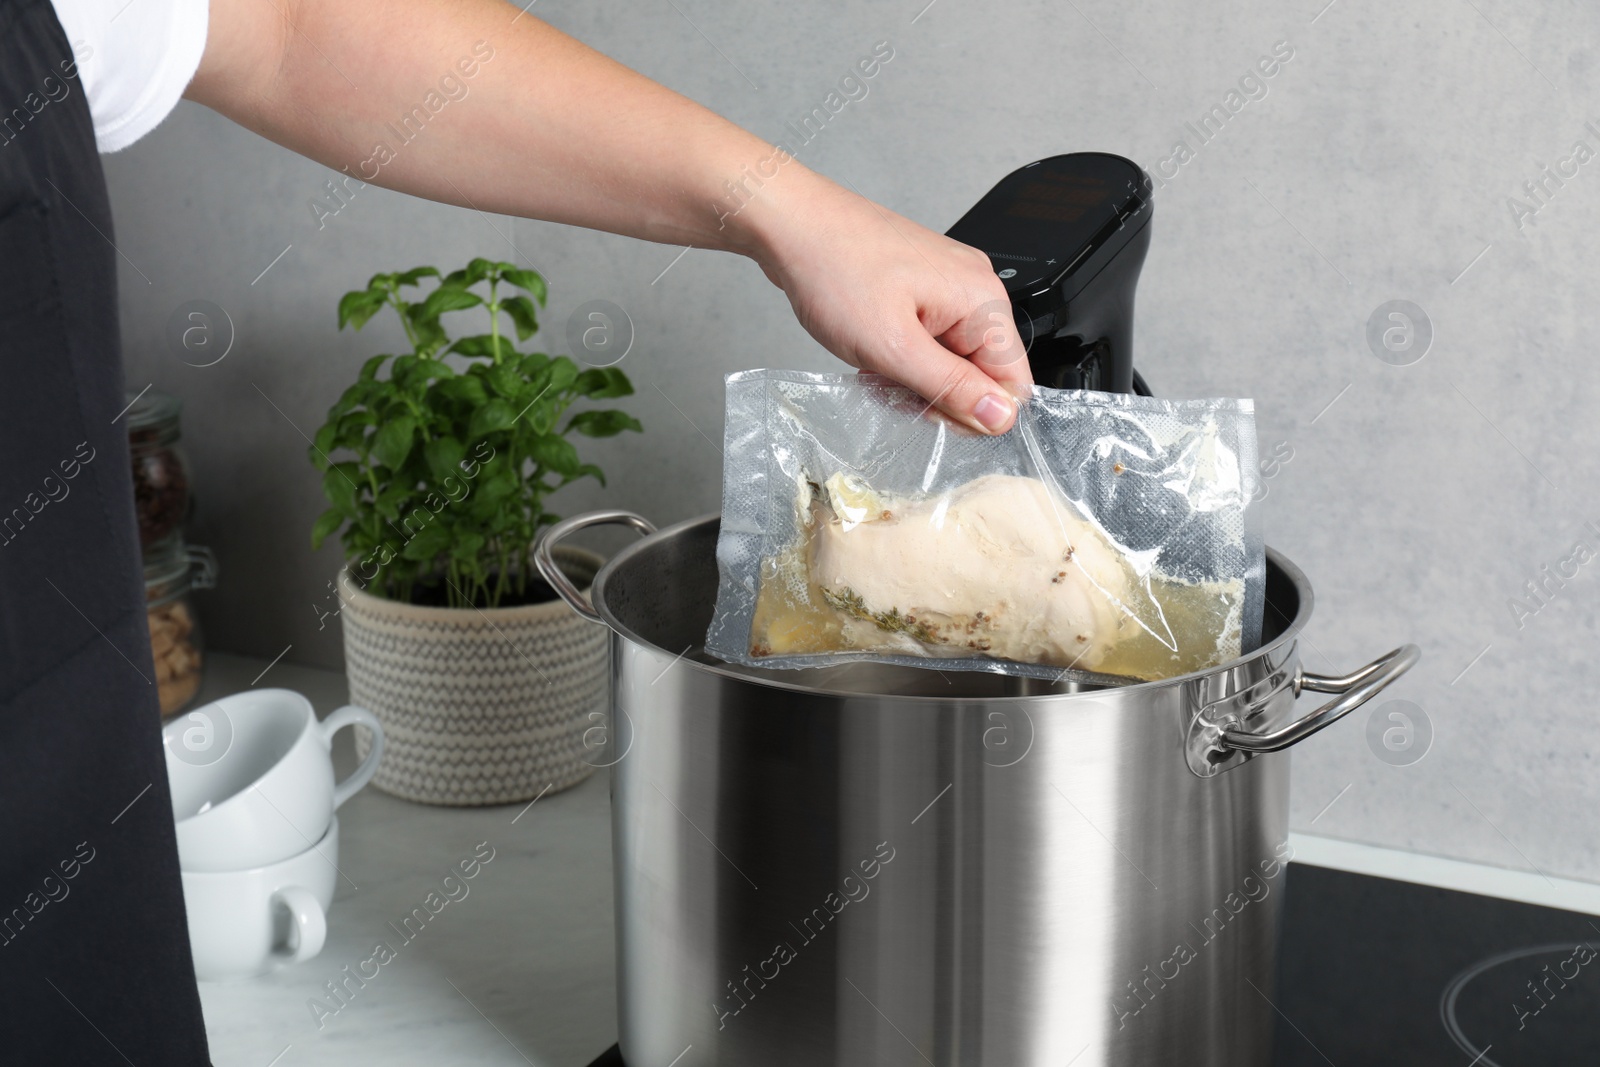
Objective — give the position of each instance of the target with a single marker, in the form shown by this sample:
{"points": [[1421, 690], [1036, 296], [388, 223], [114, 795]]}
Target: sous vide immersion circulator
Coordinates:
{"points": [[1067, 236]]}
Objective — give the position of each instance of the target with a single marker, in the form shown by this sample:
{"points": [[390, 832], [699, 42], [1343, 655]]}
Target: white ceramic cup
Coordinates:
{"points": [[252, 777], [249, 922]]}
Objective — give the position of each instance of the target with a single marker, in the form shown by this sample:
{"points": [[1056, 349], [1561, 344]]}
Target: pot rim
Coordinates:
{"points": [[597, 598], [373, 604]]}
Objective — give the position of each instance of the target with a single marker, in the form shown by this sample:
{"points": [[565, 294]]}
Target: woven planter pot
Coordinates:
{"points": [[479, 706]]}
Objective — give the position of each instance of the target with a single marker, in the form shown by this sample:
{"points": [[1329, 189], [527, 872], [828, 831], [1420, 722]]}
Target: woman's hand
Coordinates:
{"points": [[887, 295]]}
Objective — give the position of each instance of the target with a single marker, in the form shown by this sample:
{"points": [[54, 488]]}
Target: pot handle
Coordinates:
{"points": [[1354, 690], [545, 561]]}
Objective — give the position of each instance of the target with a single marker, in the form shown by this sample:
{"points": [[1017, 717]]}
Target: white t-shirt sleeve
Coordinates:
{"points": [[135, 58]]}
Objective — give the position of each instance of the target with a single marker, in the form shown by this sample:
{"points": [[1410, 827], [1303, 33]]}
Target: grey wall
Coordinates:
{"points": [[1376, 168]]}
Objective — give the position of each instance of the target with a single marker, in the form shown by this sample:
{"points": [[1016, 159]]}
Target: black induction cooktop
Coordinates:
{"points": [[1379, 973]]}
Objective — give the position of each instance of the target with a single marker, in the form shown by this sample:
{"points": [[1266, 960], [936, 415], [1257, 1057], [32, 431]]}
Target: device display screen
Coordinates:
{"points": [[1065, 199], [1040, 220]]}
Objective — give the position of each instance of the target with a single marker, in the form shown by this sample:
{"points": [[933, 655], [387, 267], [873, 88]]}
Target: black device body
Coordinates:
{"points": [[1067, 236]]}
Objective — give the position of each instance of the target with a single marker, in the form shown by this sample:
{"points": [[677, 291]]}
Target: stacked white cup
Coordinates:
{"points": [[254, 797]]}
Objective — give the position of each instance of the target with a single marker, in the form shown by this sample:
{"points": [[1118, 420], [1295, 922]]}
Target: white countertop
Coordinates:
{"points": [[519, 971]]}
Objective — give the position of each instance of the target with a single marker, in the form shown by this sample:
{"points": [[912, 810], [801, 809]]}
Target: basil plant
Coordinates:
{"points": [[436, 473]]}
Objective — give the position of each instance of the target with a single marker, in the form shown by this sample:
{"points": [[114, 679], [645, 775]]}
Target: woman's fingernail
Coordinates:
{"points": [[994, 412]]}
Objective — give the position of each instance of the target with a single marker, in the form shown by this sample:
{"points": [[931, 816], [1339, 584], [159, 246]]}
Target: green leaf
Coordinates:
{"points": [[484, 344], [355, 396], [415, 275], [429, 542], [467, 389], [526, 280], [326, 524], [520, 308], [353, 429], [389, 501], [461, 279], [326, 441], [541, 417], [443, 455], [369, 369], [359, 305], [491, 417], [533, 363], [603, 383], [340, 488], [447, 298], [387, 399], [400, 372], [563, 373], [412, 373], [555, 452], [541, 402], [466, 546], [435, 368], [589, 470], [430, 336], [505, 380], [471, 274], [603, 423], [393, 442], [496, 487]]}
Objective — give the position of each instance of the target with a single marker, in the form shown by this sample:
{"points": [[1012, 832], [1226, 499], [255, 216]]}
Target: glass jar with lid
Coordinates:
{"points": [[171, 574], [160, 471]]}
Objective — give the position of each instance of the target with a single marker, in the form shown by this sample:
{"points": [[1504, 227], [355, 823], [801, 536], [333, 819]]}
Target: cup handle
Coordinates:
{"points": [[350, 715], [309, 920]]}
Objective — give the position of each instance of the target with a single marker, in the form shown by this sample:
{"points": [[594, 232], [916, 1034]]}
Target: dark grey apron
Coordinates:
{"points": [[94, 950]]}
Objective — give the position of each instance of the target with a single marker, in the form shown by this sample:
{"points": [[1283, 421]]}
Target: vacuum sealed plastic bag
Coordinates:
{"points": [[1107, 537]]}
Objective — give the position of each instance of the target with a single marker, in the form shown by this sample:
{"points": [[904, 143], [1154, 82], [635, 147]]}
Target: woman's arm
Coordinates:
{"points": [[545, 127]]}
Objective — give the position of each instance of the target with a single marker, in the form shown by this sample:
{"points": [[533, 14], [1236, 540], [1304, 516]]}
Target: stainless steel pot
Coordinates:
{"points": [[877, 866]]}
